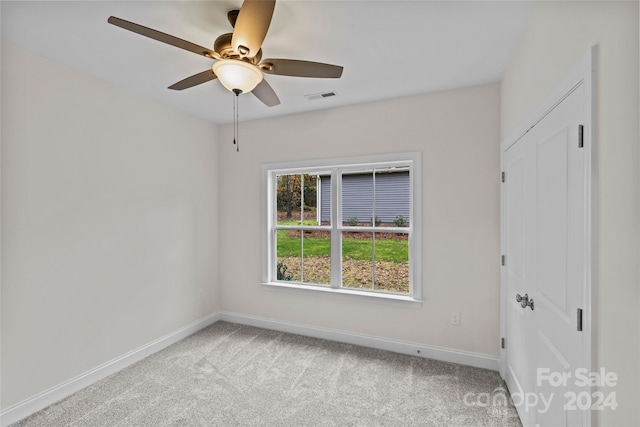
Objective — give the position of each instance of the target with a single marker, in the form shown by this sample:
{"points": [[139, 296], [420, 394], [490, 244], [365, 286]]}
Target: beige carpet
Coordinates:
{"points": [[234, 375]]}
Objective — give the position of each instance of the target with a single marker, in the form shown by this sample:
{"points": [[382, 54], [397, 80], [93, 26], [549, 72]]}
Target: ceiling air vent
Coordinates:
{"points": [[315, 96]]}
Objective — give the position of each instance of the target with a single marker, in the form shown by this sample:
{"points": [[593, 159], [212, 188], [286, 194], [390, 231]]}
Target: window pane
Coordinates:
{"points": [[316, 262], [375, 261], [289, 199], [357, 197], [323, 189], [392, 197], [288, 255], [357, 260], [391, 272], [369, 194], [310, 199]]}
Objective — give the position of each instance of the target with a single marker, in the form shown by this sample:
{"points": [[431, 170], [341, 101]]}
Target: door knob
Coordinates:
{"points": [[524, 301]]}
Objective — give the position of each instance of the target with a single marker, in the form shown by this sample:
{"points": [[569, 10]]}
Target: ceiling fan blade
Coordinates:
{"points": [[194, 80], [265, 93], [163, 37], [251, 26], [293, 67]]}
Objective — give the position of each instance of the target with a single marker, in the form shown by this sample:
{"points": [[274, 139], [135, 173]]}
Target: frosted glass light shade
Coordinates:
{"points": [[234, 74]]}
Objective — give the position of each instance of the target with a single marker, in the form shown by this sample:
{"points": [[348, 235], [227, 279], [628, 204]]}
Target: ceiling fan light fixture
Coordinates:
{"points": [[235, 74]]}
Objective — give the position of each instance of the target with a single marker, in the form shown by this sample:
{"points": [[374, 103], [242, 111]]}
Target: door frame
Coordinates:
{"points": [[582, 73]]}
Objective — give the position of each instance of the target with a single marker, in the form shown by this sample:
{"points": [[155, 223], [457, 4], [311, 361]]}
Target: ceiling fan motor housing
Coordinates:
{"points": [[223, 46]]}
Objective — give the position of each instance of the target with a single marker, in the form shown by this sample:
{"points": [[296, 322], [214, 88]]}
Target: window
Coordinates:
{"points": [[347, 226]]}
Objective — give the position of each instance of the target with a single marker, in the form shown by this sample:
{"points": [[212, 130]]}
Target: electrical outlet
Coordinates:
{"points": [[455, 318]]}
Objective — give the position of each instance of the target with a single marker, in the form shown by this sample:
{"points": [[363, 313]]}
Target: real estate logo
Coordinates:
{"points": [[582, 400], [541, 401]]}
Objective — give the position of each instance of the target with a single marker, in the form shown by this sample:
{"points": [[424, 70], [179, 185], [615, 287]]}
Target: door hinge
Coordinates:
{"points": [[502, 345], [580, 136], [503, 260], [579, 320], [502, 177]]}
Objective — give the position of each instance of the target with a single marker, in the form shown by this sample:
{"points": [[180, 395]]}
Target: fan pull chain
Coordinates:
{"points": [[236, 138]]}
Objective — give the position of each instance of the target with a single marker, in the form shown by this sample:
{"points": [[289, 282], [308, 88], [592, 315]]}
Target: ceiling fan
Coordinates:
{"points": [[239, 65]]}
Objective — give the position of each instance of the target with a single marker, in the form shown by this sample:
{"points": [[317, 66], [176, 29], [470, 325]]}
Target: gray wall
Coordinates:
{"points": [[109, 222], [460, 216], [392, 196]]}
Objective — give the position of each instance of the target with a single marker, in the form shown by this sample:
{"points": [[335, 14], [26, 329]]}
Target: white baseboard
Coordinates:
{"points": [[41, 400], [429, 352]]}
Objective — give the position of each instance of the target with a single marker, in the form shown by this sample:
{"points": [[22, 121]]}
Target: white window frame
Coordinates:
{"points": [[269, 186]]}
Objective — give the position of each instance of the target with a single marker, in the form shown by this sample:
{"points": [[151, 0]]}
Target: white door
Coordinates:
{"points": [[545, 206], [519, 166]]}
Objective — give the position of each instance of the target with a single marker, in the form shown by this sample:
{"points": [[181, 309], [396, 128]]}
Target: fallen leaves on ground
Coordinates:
{"points": [[389, 276]]}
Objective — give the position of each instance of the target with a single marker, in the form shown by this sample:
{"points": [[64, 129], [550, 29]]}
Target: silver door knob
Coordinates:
{"points": [[524, 301]]}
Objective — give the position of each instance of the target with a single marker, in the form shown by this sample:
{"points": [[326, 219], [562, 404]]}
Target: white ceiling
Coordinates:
{"points": [[388, 48]]}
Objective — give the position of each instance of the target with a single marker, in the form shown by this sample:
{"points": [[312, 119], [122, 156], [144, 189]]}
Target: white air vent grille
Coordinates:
{"points": [[322, 95]]}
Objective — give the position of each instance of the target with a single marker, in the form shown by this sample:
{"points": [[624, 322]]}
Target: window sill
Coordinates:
{"points": [[379, 297]]}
